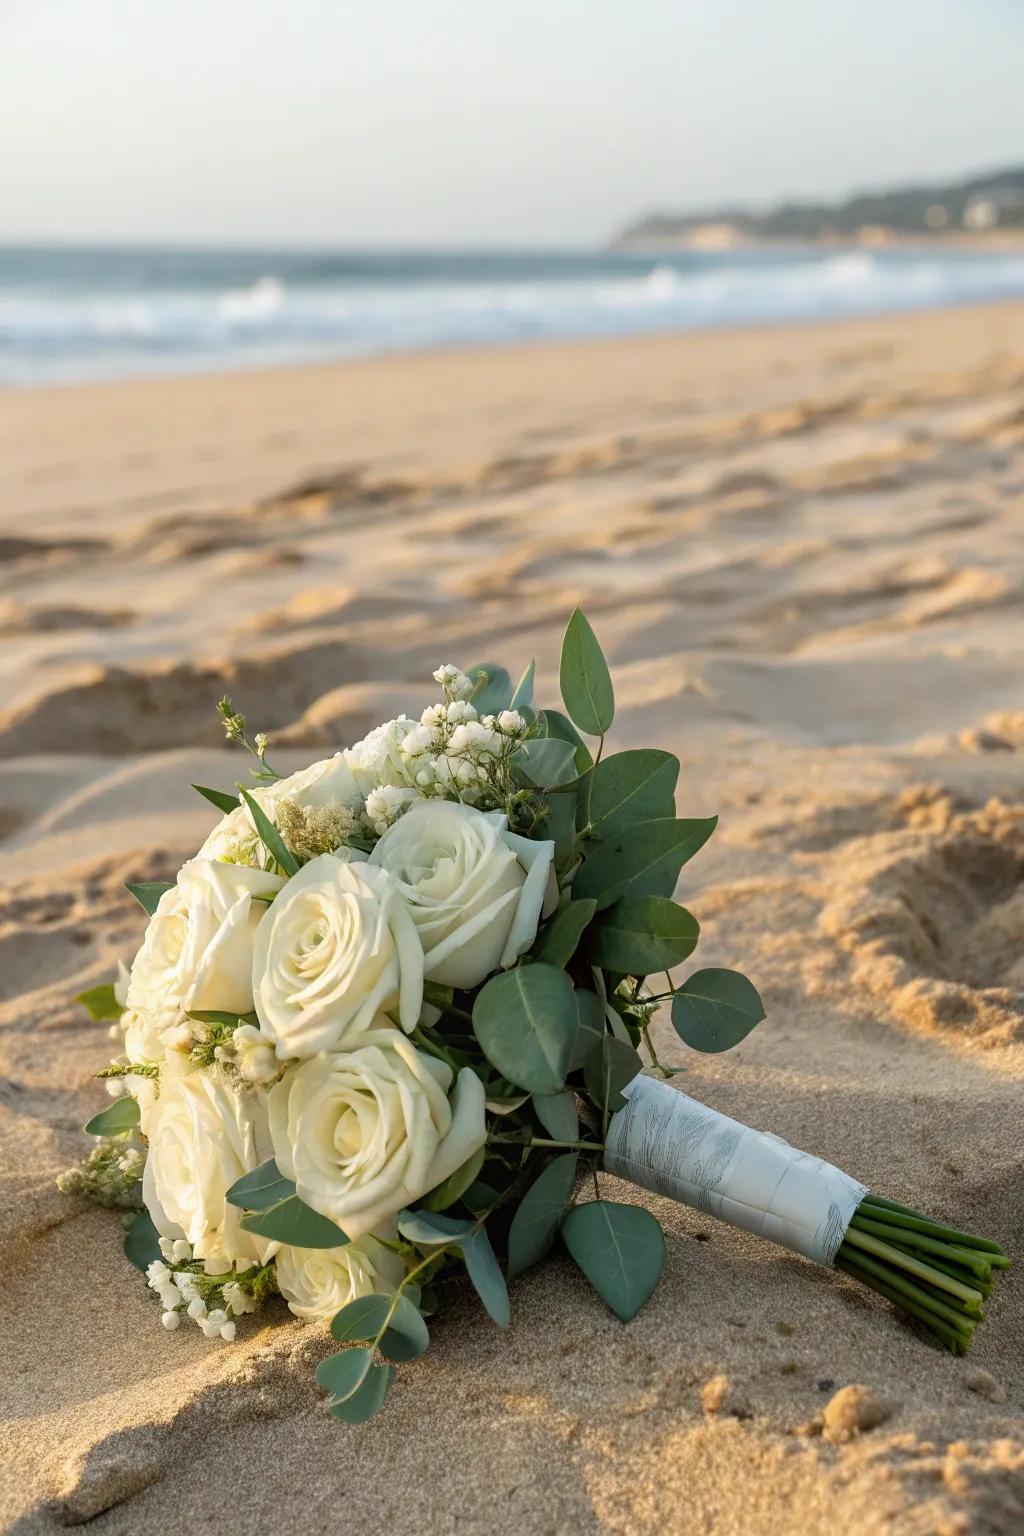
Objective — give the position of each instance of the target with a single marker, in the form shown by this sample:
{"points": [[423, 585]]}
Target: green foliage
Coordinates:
{"points": [[559, 823], [260, 1189], [142, 1241], [493, 691], [641, 934], [558, 938], [121, 1116], [100, 1002], [609, 1070], [715, 1009], [551, 722], [525, 1022], [590, 1022], [546, 761], [540, 1212], [359, 1386], [148, 892], [620, 1249], [292, 1221], [218, 797], [630, 787], [270, 836], [428, 1229], [645, 860], [522, 698], [456, 1184], [584, 679], [394, 1325], [557, 1114]]}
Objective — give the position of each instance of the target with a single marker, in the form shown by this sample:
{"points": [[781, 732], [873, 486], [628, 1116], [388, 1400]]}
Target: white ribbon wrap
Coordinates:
{"points": [[672, 1145]]}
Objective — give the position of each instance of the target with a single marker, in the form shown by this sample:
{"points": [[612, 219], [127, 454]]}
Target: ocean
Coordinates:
{"points": [[70, 314]]}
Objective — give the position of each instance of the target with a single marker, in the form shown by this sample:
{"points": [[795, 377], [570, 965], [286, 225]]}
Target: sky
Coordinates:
{"points": [[480, 122]]}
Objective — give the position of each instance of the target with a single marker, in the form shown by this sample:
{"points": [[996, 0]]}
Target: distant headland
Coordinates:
{"points": [[987, 208]]}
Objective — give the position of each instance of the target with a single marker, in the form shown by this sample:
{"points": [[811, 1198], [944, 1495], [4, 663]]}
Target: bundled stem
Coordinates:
{"points": [[936, 1273]]}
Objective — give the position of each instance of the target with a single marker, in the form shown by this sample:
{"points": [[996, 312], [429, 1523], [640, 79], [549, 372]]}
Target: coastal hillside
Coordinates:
{"points": [[976, 206]]}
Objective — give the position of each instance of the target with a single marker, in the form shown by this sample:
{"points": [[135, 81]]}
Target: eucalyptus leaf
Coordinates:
{"points": [[292, 1221], [485, 1273], [270, 836], [121, 1116], [368, 1398], [540, 1212], [456, 1184], [630, 787], [525, 1022], [218, 797], [546, 761], [552, 722], [557, 1114], [560, 823], [261, 1188], [645, 860], [523, 695], [620, 1249], [640, 935], [584, 679], [142, 1242], [558, 938], [494, 688], [715, 1009], [429, 1229], [345, 1372], [609, 1071], [100, 1002], [148, 892], [590, 1028], [406, 1336]]}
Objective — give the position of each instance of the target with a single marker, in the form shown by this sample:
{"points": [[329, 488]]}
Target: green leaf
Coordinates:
{"points": [[620, 1249], [523, 694], [270, 836], [456, 1184], [525, 1022], [494, 692], [142, 1242], [485, 1273], [345, 1372], [609, 1070], [218, 797], [584, 680], [539, 1213], [121, 1116], [557, 1114], [292, 1221], [546, 762], [557, 940], [560, 823], [148, 892], [590, 1028], [405, 1338], [715, 1009], [553, 723], [368, 1399], [645, 860], [640, 935], [429, 1229], [100, 1002], [630, 787], [261, 1188]]}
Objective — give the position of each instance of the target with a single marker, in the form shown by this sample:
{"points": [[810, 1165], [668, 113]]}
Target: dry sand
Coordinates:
{"points": [[804, 551]]}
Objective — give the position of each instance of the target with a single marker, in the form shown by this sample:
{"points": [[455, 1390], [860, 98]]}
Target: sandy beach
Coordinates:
{"points": [[802, 550]]}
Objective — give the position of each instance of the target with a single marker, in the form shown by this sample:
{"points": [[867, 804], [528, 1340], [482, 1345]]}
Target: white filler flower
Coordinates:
{"points": [[318, 1282], [337, 948], [474, 889], [202, 1137], [366, 1131], [197, 953]]}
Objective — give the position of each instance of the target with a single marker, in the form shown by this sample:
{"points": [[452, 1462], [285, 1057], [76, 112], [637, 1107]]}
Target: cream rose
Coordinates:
{"points": [[197, 952], [202, 1137], [377, 759], [328, 784], [474, 889], [318, 1282], [337, 949], [366, 1131]]}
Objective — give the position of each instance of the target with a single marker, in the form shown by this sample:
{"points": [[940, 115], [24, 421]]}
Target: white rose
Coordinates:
{"points": [[326, 784], [366, 1131], [337, 949], [197, 953], [474, 889], [202, 1137], [318, 1282]]}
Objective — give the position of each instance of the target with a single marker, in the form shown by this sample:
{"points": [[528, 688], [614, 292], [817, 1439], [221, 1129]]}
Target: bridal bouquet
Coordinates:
{"points": [[395, 1013]]}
